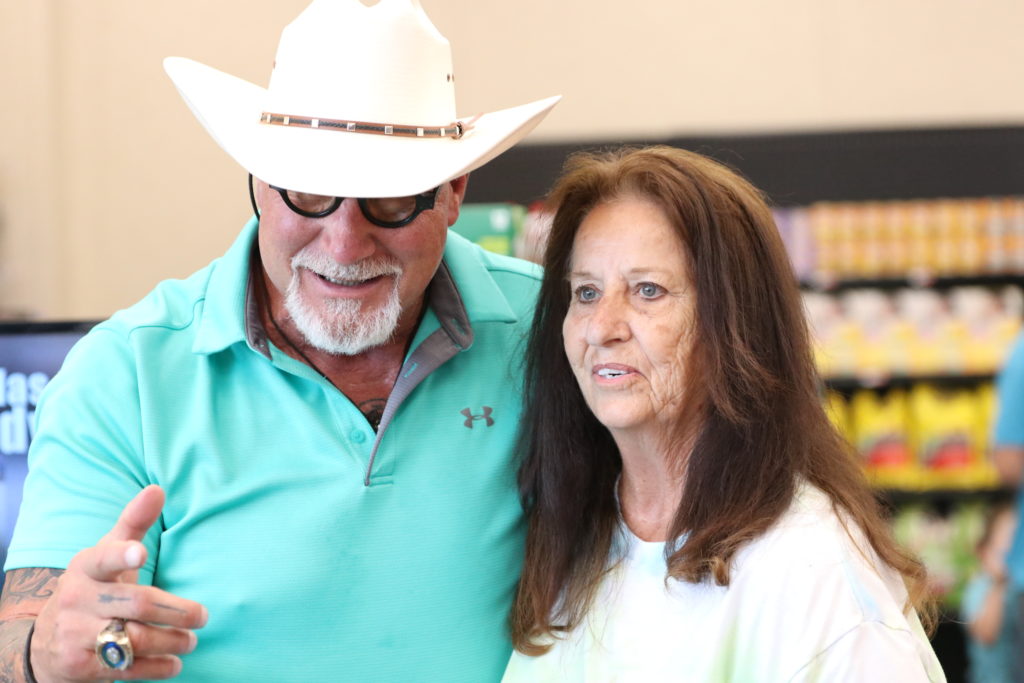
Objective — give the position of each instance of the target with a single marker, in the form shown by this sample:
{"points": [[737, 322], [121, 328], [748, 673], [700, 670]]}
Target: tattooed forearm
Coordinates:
{"points": [[13, 636], [28, 584], [25, 592]]}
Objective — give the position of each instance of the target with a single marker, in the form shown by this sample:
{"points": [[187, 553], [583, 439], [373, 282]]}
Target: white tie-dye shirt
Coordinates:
{"points": [[803, 605]]}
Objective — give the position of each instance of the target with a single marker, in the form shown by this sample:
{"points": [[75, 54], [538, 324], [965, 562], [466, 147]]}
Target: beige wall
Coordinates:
{"points": [[108, 185]]}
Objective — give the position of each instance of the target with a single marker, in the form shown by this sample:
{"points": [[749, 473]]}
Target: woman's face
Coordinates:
{"points": [[631, 310]]}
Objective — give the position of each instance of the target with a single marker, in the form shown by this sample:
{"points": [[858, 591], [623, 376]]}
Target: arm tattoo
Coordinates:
{"points": [[25, 592], [13, 636], [34, 583], [373, 410]]}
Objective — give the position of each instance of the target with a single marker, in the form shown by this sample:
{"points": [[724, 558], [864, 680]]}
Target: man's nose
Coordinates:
{"points": [[347, 236]]}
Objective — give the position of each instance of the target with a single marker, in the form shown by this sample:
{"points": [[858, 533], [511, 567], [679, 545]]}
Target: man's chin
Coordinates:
{"points": [[350, 335]]}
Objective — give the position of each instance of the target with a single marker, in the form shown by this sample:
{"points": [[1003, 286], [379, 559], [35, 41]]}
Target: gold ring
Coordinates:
{"points": [[113, 647]]}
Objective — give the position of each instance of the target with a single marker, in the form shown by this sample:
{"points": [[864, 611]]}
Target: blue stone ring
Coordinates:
{"points": [[113, 647]]}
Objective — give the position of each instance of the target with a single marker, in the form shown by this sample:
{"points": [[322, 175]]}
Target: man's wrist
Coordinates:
{"points": [[30, 677]]}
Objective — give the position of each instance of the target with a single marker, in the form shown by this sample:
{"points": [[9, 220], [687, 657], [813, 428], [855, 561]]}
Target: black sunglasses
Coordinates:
{"points": [[384, 212]]}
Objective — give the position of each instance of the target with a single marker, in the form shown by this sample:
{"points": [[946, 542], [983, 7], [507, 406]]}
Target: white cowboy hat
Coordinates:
{"points": [[361, 103]]}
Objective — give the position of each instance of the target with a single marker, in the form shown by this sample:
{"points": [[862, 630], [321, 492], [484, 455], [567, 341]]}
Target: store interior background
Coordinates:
{"points": [[108, 184]]}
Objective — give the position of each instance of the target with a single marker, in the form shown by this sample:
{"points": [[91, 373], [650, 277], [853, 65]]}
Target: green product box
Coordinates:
{"points": [[494, 227]]}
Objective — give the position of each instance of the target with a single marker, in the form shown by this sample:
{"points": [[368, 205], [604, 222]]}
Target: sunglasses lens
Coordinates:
{"points": [[310, 203], [390, 210], [385, 212]]}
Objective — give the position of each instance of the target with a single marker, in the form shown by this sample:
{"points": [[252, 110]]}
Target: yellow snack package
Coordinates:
{"points": [[880, 428], [944, 434]]}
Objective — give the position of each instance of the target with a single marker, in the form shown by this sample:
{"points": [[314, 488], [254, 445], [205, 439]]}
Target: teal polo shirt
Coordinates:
{"points": [[324, 551]]}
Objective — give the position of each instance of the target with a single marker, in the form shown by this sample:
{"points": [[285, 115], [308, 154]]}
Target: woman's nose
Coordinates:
{"points": [[609, 322]]}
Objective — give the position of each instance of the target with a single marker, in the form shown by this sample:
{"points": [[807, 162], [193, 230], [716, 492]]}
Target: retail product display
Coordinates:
{"points": [[946, 543], [494, 227], [924, 436], [877, 333], [914, 306], [920, 240]]}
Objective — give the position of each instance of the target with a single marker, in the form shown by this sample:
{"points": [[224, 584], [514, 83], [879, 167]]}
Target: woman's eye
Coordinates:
{"points": [[649, 290], [585, 293]]}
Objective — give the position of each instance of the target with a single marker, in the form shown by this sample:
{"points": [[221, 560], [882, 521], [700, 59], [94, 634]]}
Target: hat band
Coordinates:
{"points": [[453, 130]]}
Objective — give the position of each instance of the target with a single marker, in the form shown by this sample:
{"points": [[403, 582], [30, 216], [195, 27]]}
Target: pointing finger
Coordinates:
{"points": [[138, 515]]}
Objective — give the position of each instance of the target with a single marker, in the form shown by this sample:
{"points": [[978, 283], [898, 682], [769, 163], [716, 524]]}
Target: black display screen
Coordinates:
{"points": [[30, 354]]}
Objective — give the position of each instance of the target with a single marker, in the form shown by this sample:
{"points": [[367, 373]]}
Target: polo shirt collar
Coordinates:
{"points": [[228, 298], [482, 299]]}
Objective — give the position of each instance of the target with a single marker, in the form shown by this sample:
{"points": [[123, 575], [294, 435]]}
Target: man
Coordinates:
{"points": [[315, 431], [1008, 456]]}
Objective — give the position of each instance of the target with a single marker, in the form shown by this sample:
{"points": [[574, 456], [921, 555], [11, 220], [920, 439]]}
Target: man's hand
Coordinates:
{"points": [[100, 585]]}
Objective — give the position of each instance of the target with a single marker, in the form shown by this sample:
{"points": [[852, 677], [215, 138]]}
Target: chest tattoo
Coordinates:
{"points": [[373, 410]]}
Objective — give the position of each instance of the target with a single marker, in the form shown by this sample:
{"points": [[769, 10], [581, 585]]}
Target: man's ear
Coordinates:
{"points": [[456, 196]]}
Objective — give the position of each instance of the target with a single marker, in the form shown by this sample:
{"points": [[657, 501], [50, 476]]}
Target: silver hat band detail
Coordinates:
{"points": [[454, 130]]}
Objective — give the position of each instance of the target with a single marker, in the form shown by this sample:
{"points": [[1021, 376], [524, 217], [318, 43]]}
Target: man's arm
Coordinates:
{"points": [[1009, 462], [25, 592], [988, 621]]}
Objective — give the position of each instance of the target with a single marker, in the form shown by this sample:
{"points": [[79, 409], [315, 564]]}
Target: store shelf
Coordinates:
{"points": [[881, 382], [795, 169], [947, 496], [913, 282]]}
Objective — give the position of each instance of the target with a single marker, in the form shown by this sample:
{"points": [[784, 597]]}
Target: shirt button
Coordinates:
{"points": [[357, 436]]}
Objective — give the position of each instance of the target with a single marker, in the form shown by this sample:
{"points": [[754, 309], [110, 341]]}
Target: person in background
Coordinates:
{"points": [[1008, 456], [315, 431], [693, 515], [986, 609]]}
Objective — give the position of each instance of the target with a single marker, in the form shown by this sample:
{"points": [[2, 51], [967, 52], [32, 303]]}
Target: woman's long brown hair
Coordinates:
{"points": [[759, 426]]}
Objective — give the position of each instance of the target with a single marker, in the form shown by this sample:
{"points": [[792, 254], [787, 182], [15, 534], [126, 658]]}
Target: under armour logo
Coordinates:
{"points": [[471, 418]]}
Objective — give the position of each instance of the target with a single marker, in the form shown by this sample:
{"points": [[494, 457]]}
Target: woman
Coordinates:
{"points": [[693, 515]]}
